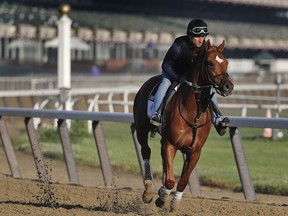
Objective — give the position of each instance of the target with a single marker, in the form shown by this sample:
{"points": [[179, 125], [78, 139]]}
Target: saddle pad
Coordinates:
{"points": [[150, 106], [151, 100]]}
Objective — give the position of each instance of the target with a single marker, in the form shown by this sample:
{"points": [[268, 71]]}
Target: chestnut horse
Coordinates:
{"points": [[187, 121]]}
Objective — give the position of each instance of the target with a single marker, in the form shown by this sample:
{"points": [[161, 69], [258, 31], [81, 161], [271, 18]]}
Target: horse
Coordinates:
{"points": [[187, 121]]}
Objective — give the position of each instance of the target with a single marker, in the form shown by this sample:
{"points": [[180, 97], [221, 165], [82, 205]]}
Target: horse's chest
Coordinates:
{"points": [[182, 138]]}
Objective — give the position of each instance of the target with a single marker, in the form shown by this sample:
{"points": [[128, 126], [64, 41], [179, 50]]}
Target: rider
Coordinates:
{"points": [[177, 61]]}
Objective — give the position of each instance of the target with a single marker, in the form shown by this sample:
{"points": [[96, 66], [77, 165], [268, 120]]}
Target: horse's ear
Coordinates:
{"points": [[208, 44], [220, 48]]}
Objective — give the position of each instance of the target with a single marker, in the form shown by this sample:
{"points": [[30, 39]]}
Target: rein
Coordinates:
{"points": [[198, 91], [202, 95], [194, 125], [197, 117], [197, 87]]}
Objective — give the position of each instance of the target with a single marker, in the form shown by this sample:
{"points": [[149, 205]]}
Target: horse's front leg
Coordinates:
{"points": [[168, 152], [189, 164]]}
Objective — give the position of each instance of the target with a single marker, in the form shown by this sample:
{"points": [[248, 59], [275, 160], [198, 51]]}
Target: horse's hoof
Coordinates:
{"points": [[163, 198], [159, 202], [147, 196], [161, 191], [174, 205]]}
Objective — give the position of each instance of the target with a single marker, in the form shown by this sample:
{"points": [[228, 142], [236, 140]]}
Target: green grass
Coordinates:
{"points": [[267, 159]]}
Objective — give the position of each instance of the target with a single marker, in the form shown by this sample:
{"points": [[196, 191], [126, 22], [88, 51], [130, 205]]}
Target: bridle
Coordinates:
{"points": [[203, 98], [210, 78], [199, 89]]}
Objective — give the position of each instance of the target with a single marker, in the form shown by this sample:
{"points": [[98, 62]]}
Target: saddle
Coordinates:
{"points": [[169, 94], [174, 87]]}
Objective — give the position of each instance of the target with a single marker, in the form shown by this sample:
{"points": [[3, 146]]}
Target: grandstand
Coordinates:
{"points": [[122, 30], [255, 11], [267, 3]]}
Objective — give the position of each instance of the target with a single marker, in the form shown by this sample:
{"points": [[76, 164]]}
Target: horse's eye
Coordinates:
{"points": [[210, 64]]}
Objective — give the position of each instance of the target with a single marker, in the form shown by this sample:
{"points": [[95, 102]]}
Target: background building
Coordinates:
{"points": [[135, 35]]}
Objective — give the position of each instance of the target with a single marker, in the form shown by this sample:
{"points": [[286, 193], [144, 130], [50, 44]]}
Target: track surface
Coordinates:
{"points": [[29, 196]]}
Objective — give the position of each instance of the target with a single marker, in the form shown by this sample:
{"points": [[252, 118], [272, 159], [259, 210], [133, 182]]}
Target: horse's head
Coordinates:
{"points": [[215, 66]]}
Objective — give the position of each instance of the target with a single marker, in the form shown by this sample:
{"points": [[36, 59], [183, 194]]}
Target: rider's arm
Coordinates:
{"points": [[171, 56]]}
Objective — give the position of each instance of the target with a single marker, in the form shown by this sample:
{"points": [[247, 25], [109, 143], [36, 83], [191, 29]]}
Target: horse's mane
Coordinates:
{"points": [[195, 70]]}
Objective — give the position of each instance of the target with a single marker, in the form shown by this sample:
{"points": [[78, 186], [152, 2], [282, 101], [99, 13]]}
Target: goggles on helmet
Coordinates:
{"points": [[199, 30]]}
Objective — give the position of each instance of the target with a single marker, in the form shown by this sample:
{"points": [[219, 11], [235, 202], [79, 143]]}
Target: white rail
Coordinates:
{"points": [[123, 97]]}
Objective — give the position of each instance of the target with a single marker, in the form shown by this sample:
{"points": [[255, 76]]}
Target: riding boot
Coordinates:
{"points": [[156, 118], [218, 120], [220, 125]]}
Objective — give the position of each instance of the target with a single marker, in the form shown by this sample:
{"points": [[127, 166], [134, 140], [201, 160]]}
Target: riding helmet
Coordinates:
{"points": [[197, 27]]}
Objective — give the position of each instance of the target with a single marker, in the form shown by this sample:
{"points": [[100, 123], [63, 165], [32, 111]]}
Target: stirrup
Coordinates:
{"points": [[220, 128], [156, 119]]}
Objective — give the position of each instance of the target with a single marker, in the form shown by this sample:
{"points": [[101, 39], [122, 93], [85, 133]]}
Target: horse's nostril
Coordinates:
{"points": [[226, 87], [229, 87]]}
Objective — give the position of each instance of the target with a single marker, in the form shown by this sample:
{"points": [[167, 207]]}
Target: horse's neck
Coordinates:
{"points": [[188, 96], [194, 78], [194, 75]]}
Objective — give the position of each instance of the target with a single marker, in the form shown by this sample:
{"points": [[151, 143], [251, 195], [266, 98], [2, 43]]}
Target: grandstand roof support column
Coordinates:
{"points": [[64, 57]]}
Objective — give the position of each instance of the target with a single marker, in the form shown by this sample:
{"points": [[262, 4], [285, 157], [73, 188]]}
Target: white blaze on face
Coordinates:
{"points": [[219, 59]]}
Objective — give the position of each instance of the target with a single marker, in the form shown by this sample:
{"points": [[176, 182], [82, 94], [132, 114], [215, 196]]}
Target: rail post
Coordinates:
{"points": [[67, 151], [103, 154], [9, 151], [36, 150], [242, 166]]}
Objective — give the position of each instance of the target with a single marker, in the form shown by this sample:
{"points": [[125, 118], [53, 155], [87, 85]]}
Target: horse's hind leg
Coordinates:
{"points": [[142, 136]]}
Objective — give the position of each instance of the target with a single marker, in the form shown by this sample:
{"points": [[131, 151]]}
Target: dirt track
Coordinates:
{"points": [[32, 197]]}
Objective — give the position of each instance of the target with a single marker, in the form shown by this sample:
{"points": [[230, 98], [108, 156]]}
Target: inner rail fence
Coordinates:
{"points": [[61, 116], [120, 99], [38, 81]]}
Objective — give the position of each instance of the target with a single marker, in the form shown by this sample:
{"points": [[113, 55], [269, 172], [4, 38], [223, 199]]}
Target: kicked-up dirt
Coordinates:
{"points": [[29, 196]]}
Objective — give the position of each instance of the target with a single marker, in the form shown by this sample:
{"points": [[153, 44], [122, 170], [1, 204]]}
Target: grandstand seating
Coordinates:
{"points": [[242, 38], [269, 3]]}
